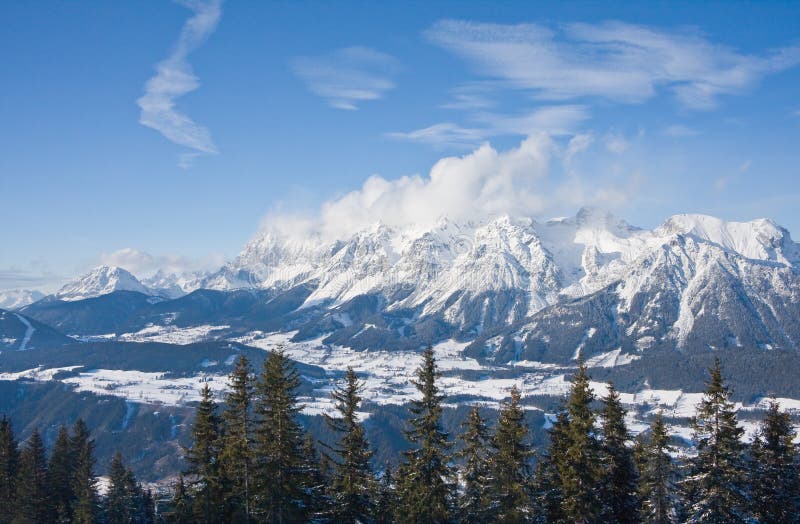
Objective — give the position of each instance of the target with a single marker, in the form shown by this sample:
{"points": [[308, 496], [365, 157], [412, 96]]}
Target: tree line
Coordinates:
{"points": [[251, 460], [255, 463], [63, 487]]}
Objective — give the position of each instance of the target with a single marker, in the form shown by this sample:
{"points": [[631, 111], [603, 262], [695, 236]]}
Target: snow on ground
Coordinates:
{"points": [[788, 404], [28, 332], [146, 387], [172, 334], [130, 409], [611, 359], [387, 374], [38, 373], [387, 377], [533, 364]]}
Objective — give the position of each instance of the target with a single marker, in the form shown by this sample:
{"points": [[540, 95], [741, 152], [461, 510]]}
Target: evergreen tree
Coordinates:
{"points": [[315, 499], [716, 485], [548, 497], [9, 455], [148, 512], [352, 484], [775, 479], [510, 465], [84, 486], [619, 475], [80, 436], [120, 501], [32, 500], [203, 460], [425, 487], [126, 501], [59, 476], [278, 445], [181, 504], [656, 485], [385, 501], [236, 455], [473, 503], [579, 466]]}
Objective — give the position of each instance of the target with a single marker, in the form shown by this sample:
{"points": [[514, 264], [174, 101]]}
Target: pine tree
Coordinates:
{"points": [[425, 488], [352, 483], [278, 445], [85, 505], [315, 499], [548, 497], [9, 455], [59, 476], [619, 475], [510, 465], [84, 486], [236, 455], [32, 499], [579, 466], [716, 485], [657, 482], [385, 500], [120, 501], [775, 479], [473, 503], [202, 459], [80, 436], [181, 504], [148, 512]]}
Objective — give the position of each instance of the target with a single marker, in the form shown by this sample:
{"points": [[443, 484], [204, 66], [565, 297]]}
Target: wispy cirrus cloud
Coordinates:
{"points": [[554, 120], [346, 77], [617, 61], [174, 78], [680, 131]]}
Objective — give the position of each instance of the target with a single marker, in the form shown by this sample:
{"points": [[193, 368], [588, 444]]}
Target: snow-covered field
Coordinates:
{"points": [[387, 378], [172, 334], [167, 334], [146, 387]]}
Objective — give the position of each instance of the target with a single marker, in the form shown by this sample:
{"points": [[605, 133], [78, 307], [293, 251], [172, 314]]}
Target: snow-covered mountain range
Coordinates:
{"points": [[503, 301], [17, 298], [520, 289]]}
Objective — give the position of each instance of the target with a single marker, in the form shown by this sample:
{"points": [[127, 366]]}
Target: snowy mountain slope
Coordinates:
{"points": [[503, 301], [20, 333], [100, 281], [171, 285], [688, 294], [591, 280], [16, 298]]}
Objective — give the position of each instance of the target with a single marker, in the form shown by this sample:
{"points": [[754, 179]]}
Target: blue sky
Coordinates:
{"points": [[163, 134]]}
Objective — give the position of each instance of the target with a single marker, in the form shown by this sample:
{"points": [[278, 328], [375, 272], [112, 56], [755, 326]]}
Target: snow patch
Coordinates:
{"points": [[29, 330]]}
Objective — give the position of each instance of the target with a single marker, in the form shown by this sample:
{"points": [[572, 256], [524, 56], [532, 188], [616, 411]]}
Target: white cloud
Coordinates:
{"points": [[554, 120], [680, 131], [174, 78], [444, 134], [721, 183], [745, 166], [141, 263], [349, 76], [16, 278], [616, 143], [474, 96], [483, 183], [622, 62], [578, 144]]}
